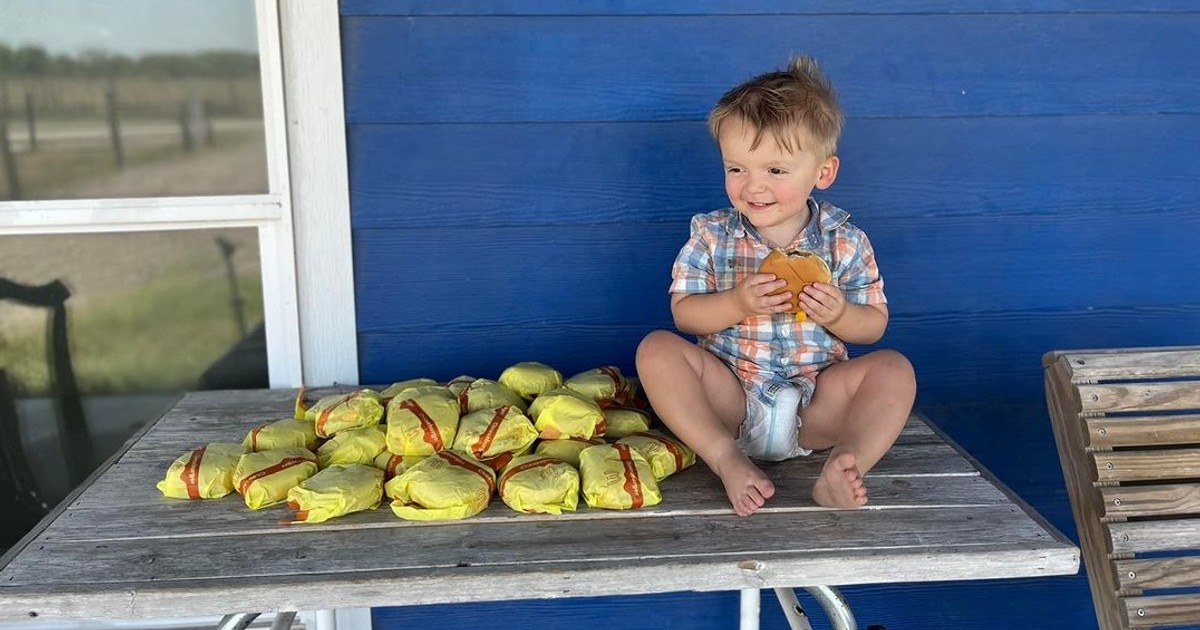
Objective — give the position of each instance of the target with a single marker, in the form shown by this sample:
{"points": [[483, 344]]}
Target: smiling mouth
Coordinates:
{"points": [[759, 206]]}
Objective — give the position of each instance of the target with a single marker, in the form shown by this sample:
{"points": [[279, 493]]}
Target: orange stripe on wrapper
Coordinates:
{"points": [[429, 428], [392, 464], [454, 459], [489, 434], [191, 473], [287, 462], [254, 437], [633, 483], [464, 401], [670, 445], [530, 465], [324, 416]]}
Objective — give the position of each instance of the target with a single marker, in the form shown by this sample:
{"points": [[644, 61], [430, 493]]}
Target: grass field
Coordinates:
{"points": [[157, 337]]}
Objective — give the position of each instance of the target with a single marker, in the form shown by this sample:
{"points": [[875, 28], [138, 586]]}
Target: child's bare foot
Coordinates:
{"points": [[747, 486], [840, 485]]}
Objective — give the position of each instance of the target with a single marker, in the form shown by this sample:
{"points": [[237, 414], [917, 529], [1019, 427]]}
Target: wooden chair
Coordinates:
{"points": [[1127, 424]]}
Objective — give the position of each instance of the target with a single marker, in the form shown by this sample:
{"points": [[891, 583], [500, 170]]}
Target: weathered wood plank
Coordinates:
{"points": [[1158, 572], [1158, 500], [1143, 431], [551, 541], [698, 496], [461, 584], [1133, 364], [1149, 465], [1079, 472], [1147, 536], [1170, 396], [1162, 610]]}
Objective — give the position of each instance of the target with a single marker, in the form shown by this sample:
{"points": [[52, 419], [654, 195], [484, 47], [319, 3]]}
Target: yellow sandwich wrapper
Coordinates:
{"points": [[489, 432], [205, 473], [617, 477], [565, 412], [621, 421], [530, 379], [393, 465], [336, 491], [445, 486], [485, 393], [538, 484], [264, 478], [342, 412], [460, 382], [396, 388], [356, 446], [286, 432], [457, 386], [667, 455], [422, 421], [498, 462], [602, 383], [566, 449]]}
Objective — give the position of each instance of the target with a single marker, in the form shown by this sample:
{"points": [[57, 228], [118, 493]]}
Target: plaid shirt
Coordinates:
{"points": [[763, 349]]}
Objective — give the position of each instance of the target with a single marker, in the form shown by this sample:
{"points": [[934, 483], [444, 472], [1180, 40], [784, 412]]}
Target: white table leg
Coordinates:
{"points": [[751, 604]]}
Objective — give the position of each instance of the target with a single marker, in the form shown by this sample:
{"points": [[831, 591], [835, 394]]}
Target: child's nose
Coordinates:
{"points": [[756, 183]]}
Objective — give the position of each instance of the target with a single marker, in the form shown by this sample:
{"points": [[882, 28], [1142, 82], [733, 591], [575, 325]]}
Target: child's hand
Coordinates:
{"points": [[824, 303], [754, 295]]}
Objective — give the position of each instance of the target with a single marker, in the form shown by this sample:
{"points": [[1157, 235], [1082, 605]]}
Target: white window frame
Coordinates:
{"points": [[303, 221]]}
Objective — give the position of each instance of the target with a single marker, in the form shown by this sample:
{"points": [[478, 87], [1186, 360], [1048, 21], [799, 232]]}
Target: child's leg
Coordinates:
{"points": [[703, 403], [858, 408]]}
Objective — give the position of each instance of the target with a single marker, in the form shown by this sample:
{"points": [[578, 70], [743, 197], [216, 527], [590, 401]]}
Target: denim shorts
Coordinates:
{"points": [[771, 430]]}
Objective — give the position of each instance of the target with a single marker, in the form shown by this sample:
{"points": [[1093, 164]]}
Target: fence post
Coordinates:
{"points": [[114, 124], [31, 120], [10, 163]]}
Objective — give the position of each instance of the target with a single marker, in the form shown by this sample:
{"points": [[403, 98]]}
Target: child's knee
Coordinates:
{"points": [[895, 366], [655, 346]]}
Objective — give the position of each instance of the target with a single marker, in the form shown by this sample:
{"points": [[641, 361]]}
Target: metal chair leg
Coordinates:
{"points": [[237, 621], [835, 606]]}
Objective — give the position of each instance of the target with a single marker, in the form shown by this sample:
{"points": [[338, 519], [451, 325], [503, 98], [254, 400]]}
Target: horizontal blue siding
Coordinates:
{"points": [[607, 68], [751, 7], [522, 173]]}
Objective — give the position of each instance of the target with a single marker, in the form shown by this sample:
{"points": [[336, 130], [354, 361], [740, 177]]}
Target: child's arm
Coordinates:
{"points": [[708, 313], [852, 323]]}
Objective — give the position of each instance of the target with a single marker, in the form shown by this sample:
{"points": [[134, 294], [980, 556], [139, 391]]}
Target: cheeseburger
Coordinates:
{"points": [[799, 268]]}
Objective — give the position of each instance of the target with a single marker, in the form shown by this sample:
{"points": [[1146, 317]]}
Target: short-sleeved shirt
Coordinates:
{"points": [[724, 249]]}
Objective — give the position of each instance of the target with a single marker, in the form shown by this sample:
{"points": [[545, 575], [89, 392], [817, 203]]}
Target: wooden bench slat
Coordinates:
{"points": [[1158, 572], [702, 493], [1150, 465], [1132, 365], [1158, 500], [1083, 390], [1162, 610], [1146, 536], [1143, 431], [1168, 396], [549, 543]]}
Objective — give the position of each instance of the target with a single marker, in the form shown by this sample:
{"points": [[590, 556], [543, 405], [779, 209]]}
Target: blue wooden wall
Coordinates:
{"points": [[523, 171]]}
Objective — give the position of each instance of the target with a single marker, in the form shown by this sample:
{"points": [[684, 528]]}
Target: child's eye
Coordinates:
{"points": [[777, 171], [732, 169]]}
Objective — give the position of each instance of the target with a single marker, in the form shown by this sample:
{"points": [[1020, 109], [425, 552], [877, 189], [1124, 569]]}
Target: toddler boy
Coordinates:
{"points": [[759, 383]]}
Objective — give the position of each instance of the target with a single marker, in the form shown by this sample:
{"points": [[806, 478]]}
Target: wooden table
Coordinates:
{"points": [[118, 549]]}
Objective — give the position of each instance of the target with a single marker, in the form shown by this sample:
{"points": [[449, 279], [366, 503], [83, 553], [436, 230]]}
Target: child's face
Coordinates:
{"points": [[769, 185]]}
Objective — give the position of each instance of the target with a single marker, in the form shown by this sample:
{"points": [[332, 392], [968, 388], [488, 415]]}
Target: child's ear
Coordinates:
{"points": [[828, 172]]}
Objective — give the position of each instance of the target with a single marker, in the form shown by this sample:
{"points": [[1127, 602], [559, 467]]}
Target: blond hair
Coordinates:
{"points": [[781, 103]]}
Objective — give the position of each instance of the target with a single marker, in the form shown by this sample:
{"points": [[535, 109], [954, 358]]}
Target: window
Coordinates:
{"points": [[145, 166]]}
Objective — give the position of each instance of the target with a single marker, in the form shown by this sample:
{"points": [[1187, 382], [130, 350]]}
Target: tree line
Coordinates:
{"points": [[34, 61]]}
